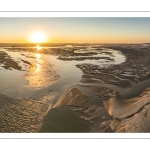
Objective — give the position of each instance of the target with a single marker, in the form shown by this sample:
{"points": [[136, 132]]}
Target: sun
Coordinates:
{"points": [[38, 37]]}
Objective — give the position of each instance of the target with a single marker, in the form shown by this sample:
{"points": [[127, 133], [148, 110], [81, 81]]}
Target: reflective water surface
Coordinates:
{"points": [[32, 78]]}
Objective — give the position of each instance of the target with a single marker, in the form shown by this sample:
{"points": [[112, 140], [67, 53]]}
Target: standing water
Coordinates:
{"points": [[33, 77]]}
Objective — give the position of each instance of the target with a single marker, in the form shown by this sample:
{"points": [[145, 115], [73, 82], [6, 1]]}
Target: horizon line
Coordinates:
{"points": [[71, 43]]}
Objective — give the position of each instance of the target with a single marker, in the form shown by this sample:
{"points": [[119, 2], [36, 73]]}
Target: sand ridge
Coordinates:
{"points": [[72, 97], [120, 109]]}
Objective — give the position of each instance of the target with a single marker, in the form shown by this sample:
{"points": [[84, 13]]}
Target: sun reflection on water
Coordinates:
{"points": [[38, 47], [41, 73], [38, 67], [38, 56], [38, 62]]}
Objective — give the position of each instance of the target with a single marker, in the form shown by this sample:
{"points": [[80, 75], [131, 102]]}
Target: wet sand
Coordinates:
{"points": [[110, 92], [129, 80], [73, 97]]}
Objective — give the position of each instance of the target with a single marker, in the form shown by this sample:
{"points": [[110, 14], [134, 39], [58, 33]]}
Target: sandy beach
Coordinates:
{"points": [[75, 88]]}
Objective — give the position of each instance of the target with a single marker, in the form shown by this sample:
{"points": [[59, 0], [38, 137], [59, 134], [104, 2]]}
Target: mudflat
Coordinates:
{"points": [[75, 88]]}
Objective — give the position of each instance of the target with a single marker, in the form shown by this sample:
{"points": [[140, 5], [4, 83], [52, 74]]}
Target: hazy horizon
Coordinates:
{"points": [[100, 30], [70, 43]]}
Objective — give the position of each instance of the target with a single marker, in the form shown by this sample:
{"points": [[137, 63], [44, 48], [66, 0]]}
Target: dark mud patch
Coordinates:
{"points": [[104, 78], [80, 58], [64, 120], [26, 62], [97, 116], [7, 62], [102, 92]]}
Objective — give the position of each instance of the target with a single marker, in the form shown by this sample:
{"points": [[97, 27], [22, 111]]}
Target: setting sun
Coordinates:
{"points": [[38, 37]]}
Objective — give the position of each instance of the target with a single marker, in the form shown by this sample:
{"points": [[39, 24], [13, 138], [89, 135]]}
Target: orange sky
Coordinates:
{"points": [[76, 30]]}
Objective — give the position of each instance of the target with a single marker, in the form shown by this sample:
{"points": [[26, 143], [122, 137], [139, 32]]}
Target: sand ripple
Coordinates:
{"points": [[139, 122], [23, 115]]}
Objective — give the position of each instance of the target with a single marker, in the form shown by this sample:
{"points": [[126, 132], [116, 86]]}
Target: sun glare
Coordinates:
{"points": [[38, 37], [38, 47], [38, 56]]}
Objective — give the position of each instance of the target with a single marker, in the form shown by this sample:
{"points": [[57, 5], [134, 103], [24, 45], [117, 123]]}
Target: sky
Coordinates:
{"points": [[76, 30]]}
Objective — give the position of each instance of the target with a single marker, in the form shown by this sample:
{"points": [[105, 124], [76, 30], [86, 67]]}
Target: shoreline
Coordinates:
{"points": [[129, 79]]}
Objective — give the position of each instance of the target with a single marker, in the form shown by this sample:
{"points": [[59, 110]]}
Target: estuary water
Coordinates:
{"points": [[34, 76]]}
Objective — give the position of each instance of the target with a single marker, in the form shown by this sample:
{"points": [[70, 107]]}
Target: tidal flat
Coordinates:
{"points": [[78, 88]]}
